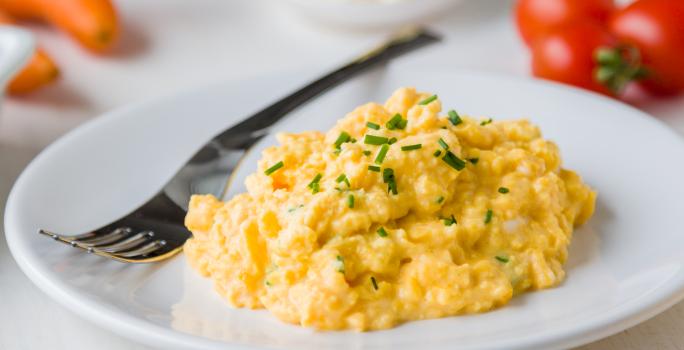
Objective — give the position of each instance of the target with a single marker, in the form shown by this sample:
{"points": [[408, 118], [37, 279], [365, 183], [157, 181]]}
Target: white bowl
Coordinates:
{"points": [[365, 14]]}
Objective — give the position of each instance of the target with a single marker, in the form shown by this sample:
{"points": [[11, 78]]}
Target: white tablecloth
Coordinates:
{"points": [[172, 45]]}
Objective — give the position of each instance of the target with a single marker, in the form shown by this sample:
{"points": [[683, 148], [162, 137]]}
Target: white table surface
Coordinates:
{"points": [[171, 45]]}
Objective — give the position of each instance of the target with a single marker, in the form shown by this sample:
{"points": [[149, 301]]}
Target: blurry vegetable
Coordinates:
{"points": [[39, 71], [656, 28], [93, 23], [568, 54], [536, 18]]}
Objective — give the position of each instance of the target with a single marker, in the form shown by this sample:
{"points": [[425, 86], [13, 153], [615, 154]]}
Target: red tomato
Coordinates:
{"points": [[656, 27], [567, 55], [538, 17]]}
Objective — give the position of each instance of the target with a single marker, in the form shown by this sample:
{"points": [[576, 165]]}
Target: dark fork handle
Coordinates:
{"points": [[243, 132]]}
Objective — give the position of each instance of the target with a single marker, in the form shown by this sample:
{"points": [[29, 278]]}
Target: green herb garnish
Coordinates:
{"points": [[295, 208], [488, 216], [344, 137], [503, 190], [411, 147], [392, 140], [501, 258], [437, 153], [454, 118], [388, 178], [381, 154], [440, 199], [427, 100], [314, 184], [449, 221], [374, 140], [339, 264], [396, 122], [350, 201], [274, 168], [366, 153], [443, 144], [374, 282], [342, 178], [374, 168], [474, 160], [453, 161], [382, 232], [373, 126], [485, 122], [266, 282]]}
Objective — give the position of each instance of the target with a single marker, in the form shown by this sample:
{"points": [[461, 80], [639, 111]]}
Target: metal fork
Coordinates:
{"points": [[155, 231]]}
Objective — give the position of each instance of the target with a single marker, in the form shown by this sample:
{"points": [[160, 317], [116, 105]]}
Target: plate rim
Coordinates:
{"points": [[630, 314]]}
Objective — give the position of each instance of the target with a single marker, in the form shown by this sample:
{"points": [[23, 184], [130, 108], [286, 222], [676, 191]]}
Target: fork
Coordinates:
{"points": [[155, 231]]}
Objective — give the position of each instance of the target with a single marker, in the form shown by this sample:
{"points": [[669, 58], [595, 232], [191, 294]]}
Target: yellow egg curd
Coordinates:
{"points": [[398, 213]]}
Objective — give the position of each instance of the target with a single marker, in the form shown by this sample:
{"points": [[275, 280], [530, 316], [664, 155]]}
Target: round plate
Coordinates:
{"points": [[625, 265]]}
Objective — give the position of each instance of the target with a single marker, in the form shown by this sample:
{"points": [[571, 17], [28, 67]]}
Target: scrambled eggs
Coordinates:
{"points": [[396, 214]]}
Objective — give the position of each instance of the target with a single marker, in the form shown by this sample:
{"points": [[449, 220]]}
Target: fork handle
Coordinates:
{"points": [[400, 44]]}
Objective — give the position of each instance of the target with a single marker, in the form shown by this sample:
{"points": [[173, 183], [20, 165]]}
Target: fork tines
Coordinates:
{"points": [[120, 243]]}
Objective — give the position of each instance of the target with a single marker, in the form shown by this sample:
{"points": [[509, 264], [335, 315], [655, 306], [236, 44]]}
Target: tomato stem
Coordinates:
{"points": [[618, 66]]}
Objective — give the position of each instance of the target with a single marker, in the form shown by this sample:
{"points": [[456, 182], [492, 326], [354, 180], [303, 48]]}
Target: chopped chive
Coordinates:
{"points": [[382, 232], [374, 168], [374, 140], [350, 201], [392, 140], [437, 153], [411, 147], [503, 190], [427, 100], [501, 258], [440, 199], [396, 122], [374, 282], [314, 184], [454, 118], [474, 160], [388, 178], [453, 161], [449, 221], [443, 144], [366, 153], [295, 208], [344, 137], [485, 122], [373, 126], [381, 154], [488, 216], [353, 140], [341, 178], [339, 264], [274, 168], [266, 282]]}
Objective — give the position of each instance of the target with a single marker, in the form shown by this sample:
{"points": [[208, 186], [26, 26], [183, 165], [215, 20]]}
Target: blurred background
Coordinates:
{"points": [[154, 48]]}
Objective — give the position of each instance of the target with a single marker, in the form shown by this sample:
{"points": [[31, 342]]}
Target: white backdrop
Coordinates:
{"points": [[171, 45]]}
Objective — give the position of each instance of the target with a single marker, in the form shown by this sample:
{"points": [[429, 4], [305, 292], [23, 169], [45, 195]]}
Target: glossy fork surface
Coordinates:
{"points": [[155, 231]]}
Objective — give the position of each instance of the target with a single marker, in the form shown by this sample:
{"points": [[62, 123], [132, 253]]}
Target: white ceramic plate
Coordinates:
{"points": [[625, 264]]}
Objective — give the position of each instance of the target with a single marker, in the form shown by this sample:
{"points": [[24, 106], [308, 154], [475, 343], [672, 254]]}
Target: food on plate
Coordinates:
{"points": [[577, 43], [398, 213], [538, 17], [93, 23], [38, 72]]}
